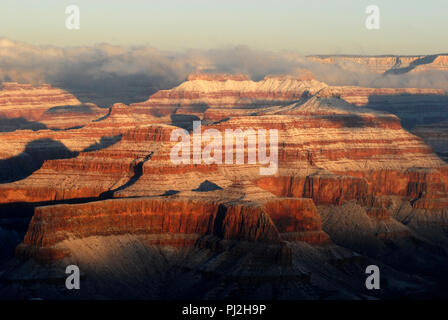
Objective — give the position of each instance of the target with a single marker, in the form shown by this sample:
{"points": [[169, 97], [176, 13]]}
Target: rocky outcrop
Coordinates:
{"points": [[389, 64], [323, 189], [24, 100], [112, 177], [203, 91], [218, 77], [23, 106], [436, 135], [422, 111], [239, 221], [68, 117], [371, 97]]}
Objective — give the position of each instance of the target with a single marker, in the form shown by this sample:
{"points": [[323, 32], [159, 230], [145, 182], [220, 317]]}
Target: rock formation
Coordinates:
{"points": [[389, 64], [23, 106], [349, 179]]}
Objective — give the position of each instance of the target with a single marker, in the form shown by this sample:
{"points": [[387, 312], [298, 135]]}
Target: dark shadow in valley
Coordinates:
{"points": [[15, 218], [68, 129], [222, 120], [415, 111], [15, 124], [69, 109], [38, 151], [73, 111], [347, 121], [22, 212], [412, 109], [112, 88], [170, 193], [20, 123], [206, 186], [107, 115], [105, 142], [8, 124], [219, 220], [32, 158], [424, 60], [184, 121], [138, 172]]}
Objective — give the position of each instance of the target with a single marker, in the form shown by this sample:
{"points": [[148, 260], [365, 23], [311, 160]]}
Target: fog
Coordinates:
{"points": [[105, 74]]}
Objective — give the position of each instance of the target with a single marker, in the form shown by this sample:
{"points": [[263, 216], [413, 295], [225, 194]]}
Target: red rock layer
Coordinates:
{"points": [[202, 91], [217, 77], [228, 221], [330, 152], [361, 96], [436, 135], [23, 100], [413, 184], [382, 64], [323, 189]]}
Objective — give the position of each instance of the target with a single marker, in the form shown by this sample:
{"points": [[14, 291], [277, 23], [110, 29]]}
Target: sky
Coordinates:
{"points": [[303, 26]]}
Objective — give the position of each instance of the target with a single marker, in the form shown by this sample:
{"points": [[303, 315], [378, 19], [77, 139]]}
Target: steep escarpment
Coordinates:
{"points": [[187, 219], [346, 179], [23, 106], [360, 96], [422, 111], [201, 92], [389, 64], [23, 100], [436, 135], [53, 165], [335, 151]]}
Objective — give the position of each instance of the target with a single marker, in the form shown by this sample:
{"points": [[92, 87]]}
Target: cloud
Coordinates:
{"points": [[105, 74], [102, 73]]}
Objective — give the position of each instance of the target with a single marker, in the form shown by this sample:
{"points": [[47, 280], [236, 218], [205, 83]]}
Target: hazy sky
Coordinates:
{"points": [[305, 26]]}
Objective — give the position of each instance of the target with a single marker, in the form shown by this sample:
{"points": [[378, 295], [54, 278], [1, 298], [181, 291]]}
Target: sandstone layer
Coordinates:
{"points": [[389, 64], [23, 106], [344, 163]]}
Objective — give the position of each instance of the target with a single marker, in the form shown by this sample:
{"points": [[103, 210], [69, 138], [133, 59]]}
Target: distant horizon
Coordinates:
{"points": [[308, 27], [107, 73], [131, 46]]}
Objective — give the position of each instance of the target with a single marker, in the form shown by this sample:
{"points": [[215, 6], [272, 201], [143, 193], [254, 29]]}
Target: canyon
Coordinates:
{"points": [[388, 64], [362, 179]]}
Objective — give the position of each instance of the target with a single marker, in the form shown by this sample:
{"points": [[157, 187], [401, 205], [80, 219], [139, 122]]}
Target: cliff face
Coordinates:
{"points": [[436, 135], [419, 185], [23, 106], [189, 219], [218, 77], [390, 64], [23, 100], [421, 111], [341, 166], [201, 92], [370, 96], [220, 97]]}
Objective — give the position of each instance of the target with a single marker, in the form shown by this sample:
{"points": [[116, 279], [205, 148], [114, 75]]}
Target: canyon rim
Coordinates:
{"points": [[203, 151]]}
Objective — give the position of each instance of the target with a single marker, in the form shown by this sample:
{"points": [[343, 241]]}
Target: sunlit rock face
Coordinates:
{"points": [[201, 92], [23, 106], [24, 100], [98, 187], [389, 64]]}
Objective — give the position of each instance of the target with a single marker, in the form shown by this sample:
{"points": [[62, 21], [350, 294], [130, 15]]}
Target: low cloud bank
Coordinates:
{"points": [[105, 74]]}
